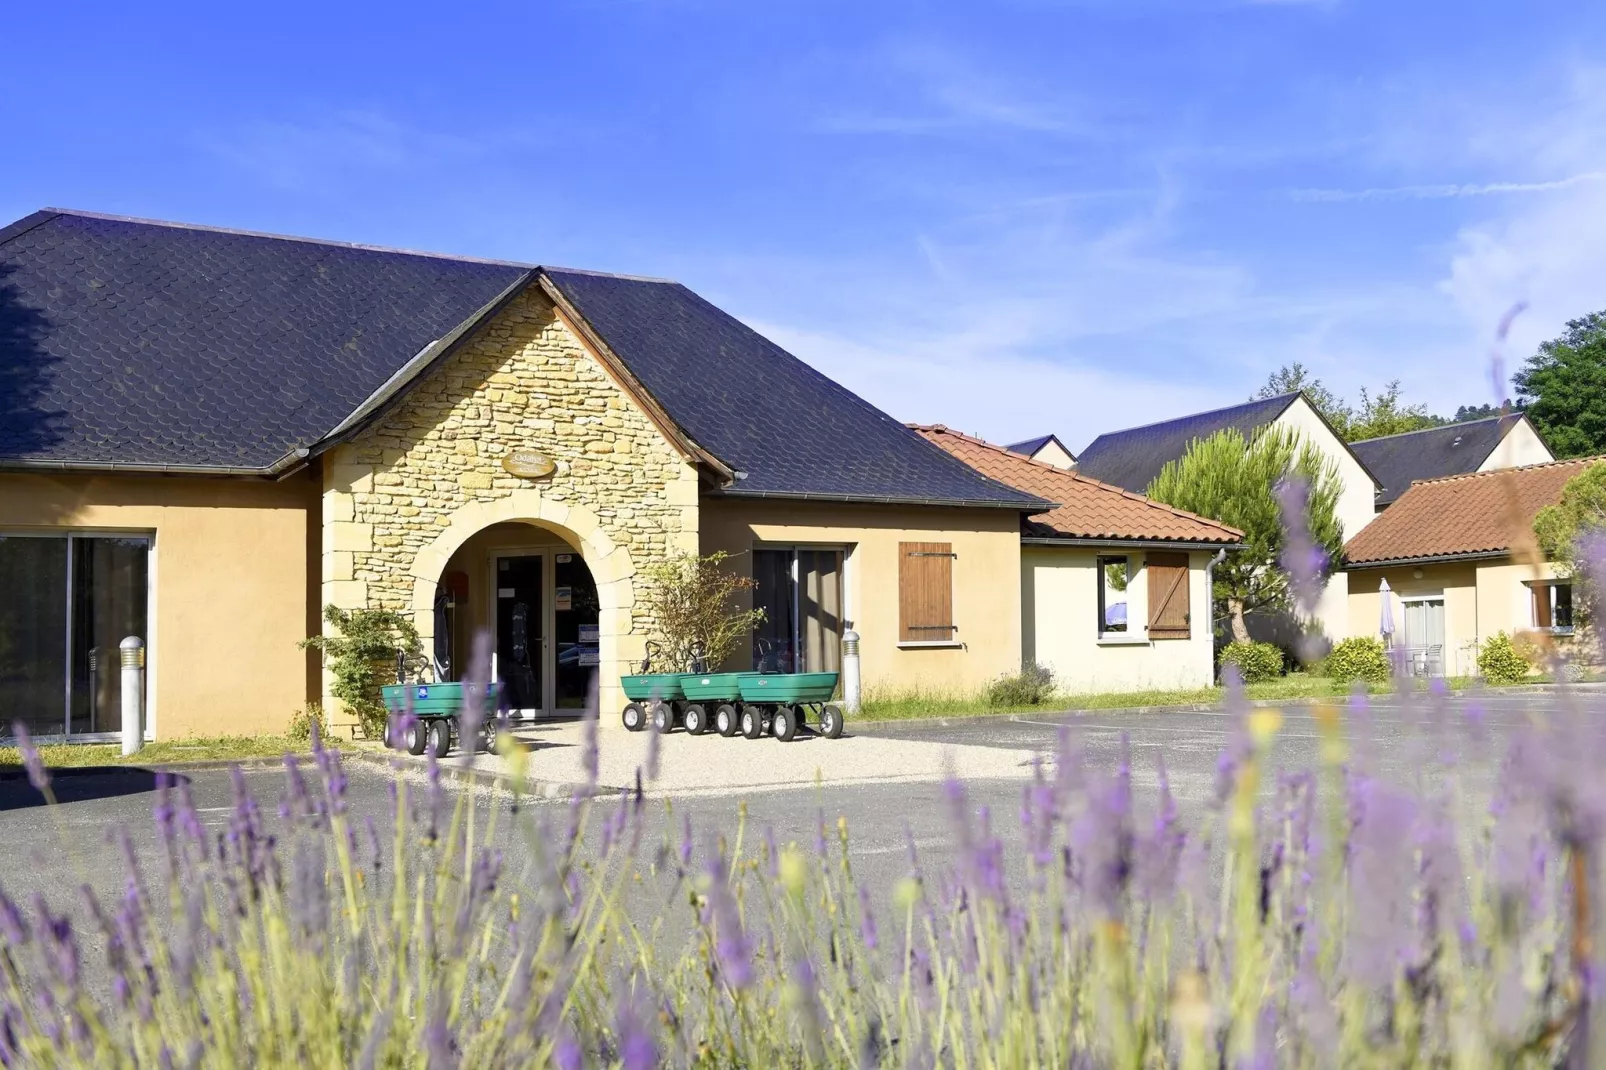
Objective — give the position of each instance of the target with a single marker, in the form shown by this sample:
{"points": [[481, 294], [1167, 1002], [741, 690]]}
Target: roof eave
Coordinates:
{"points": [[1426, 559], [279, 468], [1033, 505], [1136, 543]]}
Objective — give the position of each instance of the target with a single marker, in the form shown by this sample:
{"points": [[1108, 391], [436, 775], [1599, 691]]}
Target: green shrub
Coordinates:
{"points": [[1032, 686], [362, 659], [1499, 662], [1257, 662], [300, 730], [1360, 657]]}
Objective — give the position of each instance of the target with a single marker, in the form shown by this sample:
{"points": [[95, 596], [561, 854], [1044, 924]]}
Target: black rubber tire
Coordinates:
{"points": [[662, 717], [727, 721], [752, 722], [634, 716], [695, 718], [417, 737], [440, 737], [784, 723], [831, 722]]}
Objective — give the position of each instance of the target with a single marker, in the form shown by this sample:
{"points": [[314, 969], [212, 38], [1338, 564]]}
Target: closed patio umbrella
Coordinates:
{"points": [[1385, 624]]}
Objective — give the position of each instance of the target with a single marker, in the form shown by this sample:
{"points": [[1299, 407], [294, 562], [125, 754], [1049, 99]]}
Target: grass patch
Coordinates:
{"points": [[195, 749], [909, 705]]}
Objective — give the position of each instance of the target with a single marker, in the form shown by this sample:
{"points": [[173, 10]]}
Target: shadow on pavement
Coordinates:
{"points": [[81, 785]]}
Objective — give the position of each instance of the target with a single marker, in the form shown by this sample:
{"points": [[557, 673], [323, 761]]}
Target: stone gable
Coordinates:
{"points": [[430, 471]]}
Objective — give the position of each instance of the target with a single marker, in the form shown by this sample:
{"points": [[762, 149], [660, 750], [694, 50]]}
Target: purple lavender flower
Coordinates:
{"points": [[867, 928], [13, 926], [1302, 559], [638, 1049], [566, 1054], [732, 951], [1381, 935], [685, 839], [38, 776], [378, 1033]]}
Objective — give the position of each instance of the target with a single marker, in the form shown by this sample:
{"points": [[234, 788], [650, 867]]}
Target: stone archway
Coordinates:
{"points": [[610, 564]]}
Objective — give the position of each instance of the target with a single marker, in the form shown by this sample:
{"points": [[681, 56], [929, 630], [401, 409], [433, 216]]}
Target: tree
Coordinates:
{"points": [[1581, 509], [1233, 480], [1479, 412], [363, 659], [1563, 388], [1295, 376], [692, 602], [1386, 415]]}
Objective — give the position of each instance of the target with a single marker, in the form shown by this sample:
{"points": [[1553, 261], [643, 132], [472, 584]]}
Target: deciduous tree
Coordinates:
{"points": [[1563, 387]]}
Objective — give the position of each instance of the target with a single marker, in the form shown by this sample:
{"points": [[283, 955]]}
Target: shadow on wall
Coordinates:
{"points": [[27, 426], [1278, 627]]}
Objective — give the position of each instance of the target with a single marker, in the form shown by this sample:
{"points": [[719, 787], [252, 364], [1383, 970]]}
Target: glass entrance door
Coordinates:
{"points": [[520, 631], [575, 612]]}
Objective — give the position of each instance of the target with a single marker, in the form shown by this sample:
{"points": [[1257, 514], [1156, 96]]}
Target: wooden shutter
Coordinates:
{"points": [[1541, 597], [1168, 596], [925, 592]]}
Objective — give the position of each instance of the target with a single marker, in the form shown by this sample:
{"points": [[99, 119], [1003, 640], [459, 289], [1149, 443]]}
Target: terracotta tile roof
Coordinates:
{"points": [[1087, 509], [1479, 513]]}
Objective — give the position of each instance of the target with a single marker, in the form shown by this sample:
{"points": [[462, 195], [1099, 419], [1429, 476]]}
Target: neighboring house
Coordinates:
{"points": [[206, 436], [1451, 550], [1048, 449], [1132, 458], [1115, 588], [1397, 461]]}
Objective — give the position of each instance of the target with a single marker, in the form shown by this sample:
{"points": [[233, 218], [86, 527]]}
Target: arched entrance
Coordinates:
{"points": [[545, 584]]}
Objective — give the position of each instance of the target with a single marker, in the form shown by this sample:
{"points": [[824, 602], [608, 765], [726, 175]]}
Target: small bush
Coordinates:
{"points": [[1032, 686], [1257, 662], [300, 730], [363, 658], [1499, 662], [1360, 657]]}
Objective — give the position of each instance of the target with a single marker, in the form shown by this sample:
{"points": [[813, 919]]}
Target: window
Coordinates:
{"points": [[70, 600], [800, 591], [1168, 596], [1553, 607], [1114, 575], [926, 592]]}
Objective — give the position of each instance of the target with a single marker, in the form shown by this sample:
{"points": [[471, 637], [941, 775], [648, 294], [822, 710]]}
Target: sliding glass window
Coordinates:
{"points": [[66, 604], [800, 591]]}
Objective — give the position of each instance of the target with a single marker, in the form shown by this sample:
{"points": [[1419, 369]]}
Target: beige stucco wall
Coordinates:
{"points": [[403, 497], [1356, 508], [1521, 446], [1480, 599], [1060, 624], [231, 594], [1056, 455], [986, 581]]}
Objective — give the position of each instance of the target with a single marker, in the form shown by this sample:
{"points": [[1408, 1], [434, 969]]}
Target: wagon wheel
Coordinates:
{"points": [[663, 718], [634, 716], [440, 737], [695, 718], [417, 736], [831, 722], [752, 722], [784, 723], [726, 720]]}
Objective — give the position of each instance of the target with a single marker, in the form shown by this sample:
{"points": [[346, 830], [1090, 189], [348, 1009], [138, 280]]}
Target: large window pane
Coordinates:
{"points": [[774, 640], [109, 592], [33, 634]]}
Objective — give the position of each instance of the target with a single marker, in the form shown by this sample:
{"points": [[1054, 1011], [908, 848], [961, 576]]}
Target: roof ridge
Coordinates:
{"points": [[1203, 412], [611, 275], [1441, 427], [1075, 475], [1594, 458], [360, 246]]}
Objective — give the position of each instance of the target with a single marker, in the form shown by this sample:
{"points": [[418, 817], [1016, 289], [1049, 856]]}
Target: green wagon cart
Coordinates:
{"points": [[654, 696], [780, 703], [713, 700], [436, 709]]}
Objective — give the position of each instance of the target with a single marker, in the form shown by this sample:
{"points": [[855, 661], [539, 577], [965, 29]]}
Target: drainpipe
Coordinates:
{"points": [[1210, 588]]}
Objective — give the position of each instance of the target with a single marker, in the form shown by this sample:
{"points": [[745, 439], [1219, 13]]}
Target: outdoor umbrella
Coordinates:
{"points": [[1385, 624]]}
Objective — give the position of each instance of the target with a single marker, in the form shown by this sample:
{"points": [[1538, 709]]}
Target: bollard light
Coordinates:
{"points": [[133, 659], [850, 671]]}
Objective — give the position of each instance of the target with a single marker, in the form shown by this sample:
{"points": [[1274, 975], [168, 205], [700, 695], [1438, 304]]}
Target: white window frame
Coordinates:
{"points": [[1549, 587], [1101, 607]]}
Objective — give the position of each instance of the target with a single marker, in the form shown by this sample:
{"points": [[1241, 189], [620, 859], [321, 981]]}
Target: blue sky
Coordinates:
{"points": [[1012, 217]]}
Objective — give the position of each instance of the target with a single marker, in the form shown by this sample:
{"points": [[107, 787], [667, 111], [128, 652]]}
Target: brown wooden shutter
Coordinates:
{"points": [[925, 592], [1168, 596], [1541, 597]]}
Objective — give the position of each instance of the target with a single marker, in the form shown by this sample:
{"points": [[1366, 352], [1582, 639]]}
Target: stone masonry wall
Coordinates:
{"points": [[433, 466]]}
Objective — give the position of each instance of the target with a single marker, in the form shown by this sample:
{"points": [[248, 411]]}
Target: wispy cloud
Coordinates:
{"points": [[1445, 191]]}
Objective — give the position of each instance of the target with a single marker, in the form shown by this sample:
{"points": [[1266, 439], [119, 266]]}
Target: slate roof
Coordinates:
{"points": [[1088, 509], [785, 428], [151, 344], [1484, 514], [1030, 447], [1132, 458], [1399, 460]]}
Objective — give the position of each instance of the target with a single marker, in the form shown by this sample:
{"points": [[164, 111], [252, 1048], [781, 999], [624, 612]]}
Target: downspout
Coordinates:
{"points": [[1210, 589]]}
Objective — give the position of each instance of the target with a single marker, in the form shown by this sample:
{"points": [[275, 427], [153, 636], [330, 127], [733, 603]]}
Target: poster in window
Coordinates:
{"points": [[564, 597]]}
